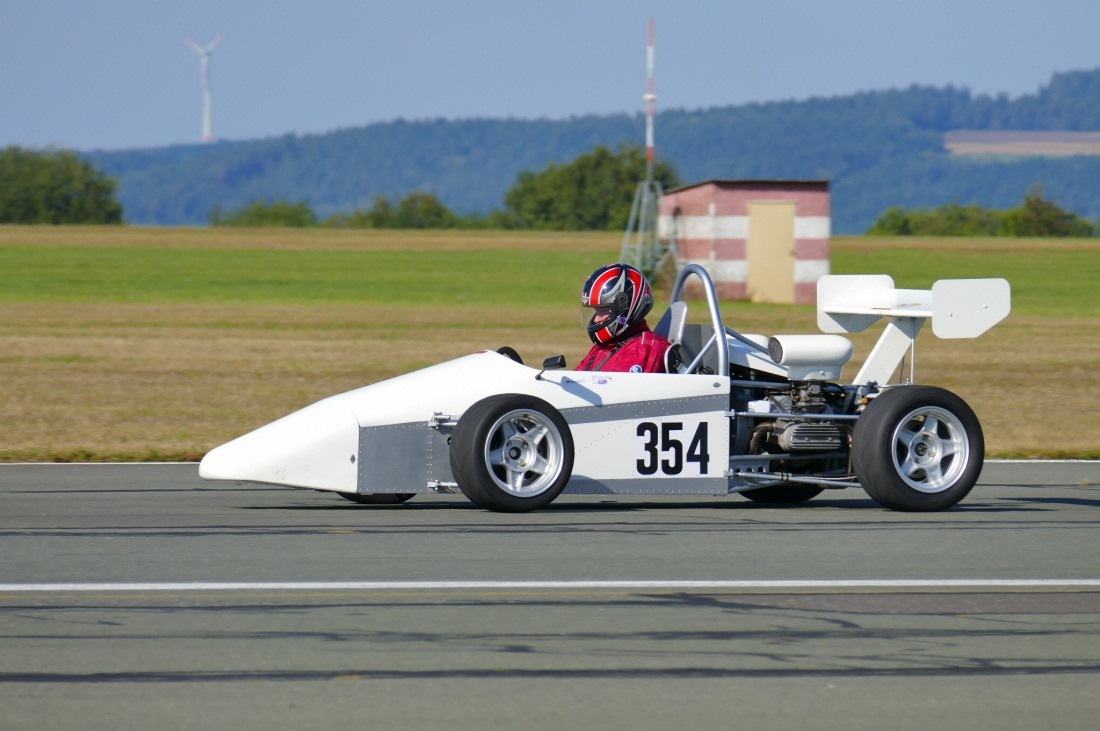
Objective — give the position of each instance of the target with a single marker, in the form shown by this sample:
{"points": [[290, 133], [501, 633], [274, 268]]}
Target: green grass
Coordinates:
{"points": [[518, 278], [1049, 279]]}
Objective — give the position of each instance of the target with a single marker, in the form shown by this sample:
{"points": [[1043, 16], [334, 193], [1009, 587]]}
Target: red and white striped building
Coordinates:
{"points": [[761, 240]]}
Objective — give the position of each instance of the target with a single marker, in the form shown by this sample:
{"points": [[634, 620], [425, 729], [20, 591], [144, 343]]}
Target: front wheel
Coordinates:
{"points": [[512, 453], [918, 448]]}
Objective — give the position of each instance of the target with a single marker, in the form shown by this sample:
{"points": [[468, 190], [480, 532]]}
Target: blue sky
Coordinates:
{"points": [[115, 74]]}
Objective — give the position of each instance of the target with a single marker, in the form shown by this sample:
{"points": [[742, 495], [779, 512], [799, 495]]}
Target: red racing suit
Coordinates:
{"points": [[640, 350]]}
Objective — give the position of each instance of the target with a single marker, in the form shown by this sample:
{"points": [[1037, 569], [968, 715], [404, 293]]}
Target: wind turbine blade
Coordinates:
{"points": [[210, 46], [192, 45]]}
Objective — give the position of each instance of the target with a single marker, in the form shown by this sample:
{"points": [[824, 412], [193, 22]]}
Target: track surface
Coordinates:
{"points": [[893, 654]]}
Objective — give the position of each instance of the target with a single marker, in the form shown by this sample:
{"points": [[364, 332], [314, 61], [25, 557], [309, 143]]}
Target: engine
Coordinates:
{"points": [[803, 434]]}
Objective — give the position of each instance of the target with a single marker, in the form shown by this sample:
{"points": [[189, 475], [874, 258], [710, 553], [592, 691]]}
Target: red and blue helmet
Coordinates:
{"points": [[621, 297]]}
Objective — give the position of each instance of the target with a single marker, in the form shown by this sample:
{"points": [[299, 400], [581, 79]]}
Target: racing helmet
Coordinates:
{"points": [[621, 297]]}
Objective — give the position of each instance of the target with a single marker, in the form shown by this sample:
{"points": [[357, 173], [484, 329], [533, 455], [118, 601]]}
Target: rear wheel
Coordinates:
{"points": [[783, 493], [512, 453], [787, 493], [918, 448], [378, 498]]}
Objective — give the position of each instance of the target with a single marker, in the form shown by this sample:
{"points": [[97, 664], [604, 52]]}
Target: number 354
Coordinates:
{"points": [[662, 448]]}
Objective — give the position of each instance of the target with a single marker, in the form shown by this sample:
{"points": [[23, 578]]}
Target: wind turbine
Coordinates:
{"points": [[204, 68]]}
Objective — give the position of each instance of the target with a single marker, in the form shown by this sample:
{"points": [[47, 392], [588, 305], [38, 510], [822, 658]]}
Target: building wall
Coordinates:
{"points": [[711, 224]]}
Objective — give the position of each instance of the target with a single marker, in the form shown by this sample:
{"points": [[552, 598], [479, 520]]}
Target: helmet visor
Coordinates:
{"points": [[598, 315]]}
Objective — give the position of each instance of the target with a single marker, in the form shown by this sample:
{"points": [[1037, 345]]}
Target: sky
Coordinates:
{"points": [[116, 74]]}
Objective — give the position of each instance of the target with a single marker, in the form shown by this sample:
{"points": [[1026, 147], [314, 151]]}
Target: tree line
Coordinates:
{"points": [[592, 192], [1037, 216]]}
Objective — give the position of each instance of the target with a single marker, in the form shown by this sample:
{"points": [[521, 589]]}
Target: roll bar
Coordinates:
{"points": [[711, 296]]}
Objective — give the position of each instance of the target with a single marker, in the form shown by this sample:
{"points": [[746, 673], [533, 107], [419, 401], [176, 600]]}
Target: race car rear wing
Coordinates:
{"points": [[958, 308]]}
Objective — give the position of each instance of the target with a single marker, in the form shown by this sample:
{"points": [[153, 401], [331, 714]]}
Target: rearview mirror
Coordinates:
{"points": [[554, 363], [551, 364]]}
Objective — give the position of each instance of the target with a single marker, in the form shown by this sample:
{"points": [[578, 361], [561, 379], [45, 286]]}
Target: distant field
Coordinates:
{"points": [[1022, 143], [161, 343]]}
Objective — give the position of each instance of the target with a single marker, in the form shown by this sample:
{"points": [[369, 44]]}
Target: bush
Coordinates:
{"points": [[54, 187], [1036, 217], [594, 192], [260, 213], [418, 209], [1040, 217]]}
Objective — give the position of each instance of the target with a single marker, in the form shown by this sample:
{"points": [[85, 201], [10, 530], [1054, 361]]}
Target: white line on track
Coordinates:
{"points": [[196, 464], [582, 584]]}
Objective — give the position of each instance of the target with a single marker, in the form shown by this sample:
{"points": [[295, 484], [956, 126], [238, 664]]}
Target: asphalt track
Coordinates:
{"points": [[140, 597]]}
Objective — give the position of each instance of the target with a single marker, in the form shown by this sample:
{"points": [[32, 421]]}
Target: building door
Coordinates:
{"points": [[771, 251]]}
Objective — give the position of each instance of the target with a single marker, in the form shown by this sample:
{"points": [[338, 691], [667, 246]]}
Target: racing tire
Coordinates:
{"points": [[918, 449], [783, 494], [377, 498], [512, 453]]}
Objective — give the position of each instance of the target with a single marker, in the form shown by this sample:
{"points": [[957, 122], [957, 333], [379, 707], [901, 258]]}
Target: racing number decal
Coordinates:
{"points": [[672, 448]]}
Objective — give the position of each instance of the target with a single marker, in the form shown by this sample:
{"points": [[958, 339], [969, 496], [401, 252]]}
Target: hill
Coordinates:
{"points": [[880, 149]]}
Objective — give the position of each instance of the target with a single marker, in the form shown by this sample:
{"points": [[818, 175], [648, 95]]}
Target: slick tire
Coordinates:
{"points": [[918, 448], [512, 453]]}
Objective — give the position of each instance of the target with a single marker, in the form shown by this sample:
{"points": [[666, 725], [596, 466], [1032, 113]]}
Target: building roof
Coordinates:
{"points": [[755, 183]]}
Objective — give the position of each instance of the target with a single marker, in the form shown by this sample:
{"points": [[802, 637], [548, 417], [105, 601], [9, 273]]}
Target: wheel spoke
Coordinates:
{"points": [[541, 465], [934, 474], [537, 433], [496, 457], [931, 424], [508, 430], [909, 467], [906, 436]]}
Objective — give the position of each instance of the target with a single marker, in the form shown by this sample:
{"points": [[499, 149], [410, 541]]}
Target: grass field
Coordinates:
{"points": [[131, 343]]}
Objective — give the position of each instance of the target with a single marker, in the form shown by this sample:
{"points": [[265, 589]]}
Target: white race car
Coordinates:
{"points": [[764, 417]]}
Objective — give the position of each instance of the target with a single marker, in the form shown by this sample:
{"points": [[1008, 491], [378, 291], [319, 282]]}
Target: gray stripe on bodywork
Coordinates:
{"points": [[646, 409]]}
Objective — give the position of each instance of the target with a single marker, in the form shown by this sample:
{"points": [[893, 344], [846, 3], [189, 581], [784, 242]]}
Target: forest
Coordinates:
{"points": [[878, 149]]}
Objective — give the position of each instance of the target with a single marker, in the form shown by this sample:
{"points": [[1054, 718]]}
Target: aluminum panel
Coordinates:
{"points": [[397, 458]]}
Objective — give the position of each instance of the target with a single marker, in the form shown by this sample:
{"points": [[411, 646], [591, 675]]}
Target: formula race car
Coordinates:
{"points": [[764, 417]]}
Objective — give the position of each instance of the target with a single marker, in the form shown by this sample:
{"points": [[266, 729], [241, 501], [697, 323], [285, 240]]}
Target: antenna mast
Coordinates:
{"points": [[642, 246], [204, 71], [650, 98]]}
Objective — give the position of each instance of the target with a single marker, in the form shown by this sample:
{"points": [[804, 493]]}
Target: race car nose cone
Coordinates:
{"points": [[315, 447]]}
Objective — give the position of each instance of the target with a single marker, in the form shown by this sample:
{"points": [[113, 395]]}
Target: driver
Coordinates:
{"points": [[620, 297]]}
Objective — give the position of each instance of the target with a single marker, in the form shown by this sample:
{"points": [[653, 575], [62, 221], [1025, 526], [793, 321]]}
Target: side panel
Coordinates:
{"points": [[402, 458], [672, 446]]}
